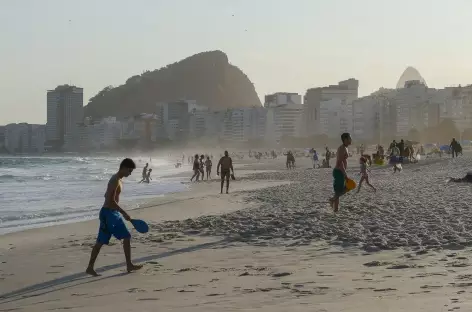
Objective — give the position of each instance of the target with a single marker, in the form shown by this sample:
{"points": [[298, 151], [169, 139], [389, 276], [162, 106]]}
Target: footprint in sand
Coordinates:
{"points": [[135, 290]]}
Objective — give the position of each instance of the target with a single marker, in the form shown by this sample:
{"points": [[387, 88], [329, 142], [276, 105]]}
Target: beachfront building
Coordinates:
{"points": [[23, 138], [244, 124], [142, 127], [346, 91], [394, 113], [2, 139], [457, 106], [282, 98], [374, 117], [283, 121], [335, 117], [64, 113], [105, 133], [174, 119], [205, 124]]}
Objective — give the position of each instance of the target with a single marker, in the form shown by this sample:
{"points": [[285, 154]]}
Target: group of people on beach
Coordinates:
{"points": [[111, 214], [225, 163], [200, 166]]}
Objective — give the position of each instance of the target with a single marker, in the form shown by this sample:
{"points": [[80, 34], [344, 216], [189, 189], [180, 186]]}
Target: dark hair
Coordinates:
{"points": [[345, 136], [226, 153], [128, 163]]}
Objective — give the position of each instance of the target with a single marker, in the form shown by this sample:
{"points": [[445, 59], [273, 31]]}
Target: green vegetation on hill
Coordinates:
{"points": [[206, 77]]}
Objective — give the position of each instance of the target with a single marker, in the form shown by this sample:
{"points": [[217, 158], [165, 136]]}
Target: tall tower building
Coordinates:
{"points": [[65, 110]]}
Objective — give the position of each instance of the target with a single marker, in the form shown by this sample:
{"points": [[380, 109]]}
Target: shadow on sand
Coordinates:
{"points": [[83, 278]]}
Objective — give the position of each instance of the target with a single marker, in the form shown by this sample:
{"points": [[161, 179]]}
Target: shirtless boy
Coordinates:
{"points": [[226, 164], [111, 222], [339, 171]]}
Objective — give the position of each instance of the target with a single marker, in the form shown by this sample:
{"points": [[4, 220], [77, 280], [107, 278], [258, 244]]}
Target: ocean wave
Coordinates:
{"points": [[42, 215]]}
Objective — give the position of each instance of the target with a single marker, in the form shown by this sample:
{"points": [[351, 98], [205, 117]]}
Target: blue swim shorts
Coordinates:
{"points": [[111, 223]]}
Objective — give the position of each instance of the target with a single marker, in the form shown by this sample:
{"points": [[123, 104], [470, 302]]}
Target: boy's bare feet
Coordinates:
{"points": [[133, 267], [91, 271]]}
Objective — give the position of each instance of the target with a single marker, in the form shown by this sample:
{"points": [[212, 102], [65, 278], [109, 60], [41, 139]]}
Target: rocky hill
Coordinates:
{"points": [[206, 77], [410, 73]]}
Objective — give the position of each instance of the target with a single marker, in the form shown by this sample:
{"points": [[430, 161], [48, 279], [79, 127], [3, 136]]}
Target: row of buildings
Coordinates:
{"points": [[328, 111]]}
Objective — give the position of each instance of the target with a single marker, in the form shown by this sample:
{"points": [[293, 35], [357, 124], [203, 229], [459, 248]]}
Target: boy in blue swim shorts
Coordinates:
{"points": [[339, 171], [111, 219]]}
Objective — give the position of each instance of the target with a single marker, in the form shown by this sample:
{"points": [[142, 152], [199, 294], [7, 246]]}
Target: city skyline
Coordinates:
{"points": [[48, 44]]}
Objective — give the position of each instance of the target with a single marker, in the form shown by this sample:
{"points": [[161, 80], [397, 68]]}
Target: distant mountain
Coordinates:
{"points": [[206, 77], [410, 73]]}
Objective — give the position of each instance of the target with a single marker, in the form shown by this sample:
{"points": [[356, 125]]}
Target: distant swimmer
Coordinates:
{"points": [[226, 164], [339, 171], [147, 177], [111, 222]]}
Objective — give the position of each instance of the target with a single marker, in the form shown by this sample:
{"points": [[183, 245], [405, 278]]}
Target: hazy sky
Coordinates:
{"points": [[281, 45]]}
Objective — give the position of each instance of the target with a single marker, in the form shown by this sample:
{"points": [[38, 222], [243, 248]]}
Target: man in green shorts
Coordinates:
{"points": [[339, 171]]}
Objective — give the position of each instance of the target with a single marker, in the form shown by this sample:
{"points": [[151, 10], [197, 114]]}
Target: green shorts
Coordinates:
{"points": [[339, 182]]}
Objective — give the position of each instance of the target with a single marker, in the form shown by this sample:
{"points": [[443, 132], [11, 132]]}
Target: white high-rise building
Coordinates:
{"points": [[346, 91], [394, 113], [174, 119], [282, 98], [64, 113], [335, 117], [105, 133], [24, 138], [244, 124], [205, 123], [283, 121]]}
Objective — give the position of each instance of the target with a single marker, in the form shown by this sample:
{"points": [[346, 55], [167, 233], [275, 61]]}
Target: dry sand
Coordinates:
{"points": [[271, 245]]}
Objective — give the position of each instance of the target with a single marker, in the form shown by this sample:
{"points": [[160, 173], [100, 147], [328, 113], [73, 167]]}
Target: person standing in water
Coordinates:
{"points": [[145, 171], [111, 219], [339, 171], [226, 164]]}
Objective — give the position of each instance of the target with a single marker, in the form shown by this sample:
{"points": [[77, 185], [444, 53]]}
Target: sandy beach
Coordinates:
{"points": [[272, 244]]}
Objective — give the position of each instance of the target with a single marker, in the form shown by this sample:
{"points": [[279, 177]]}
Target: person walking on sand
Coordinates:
{"points": [[208, 165], [201, 165], [226, 164], [196, 169], [315, 159], [364, 175], [111, 222], [339, 171]]}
